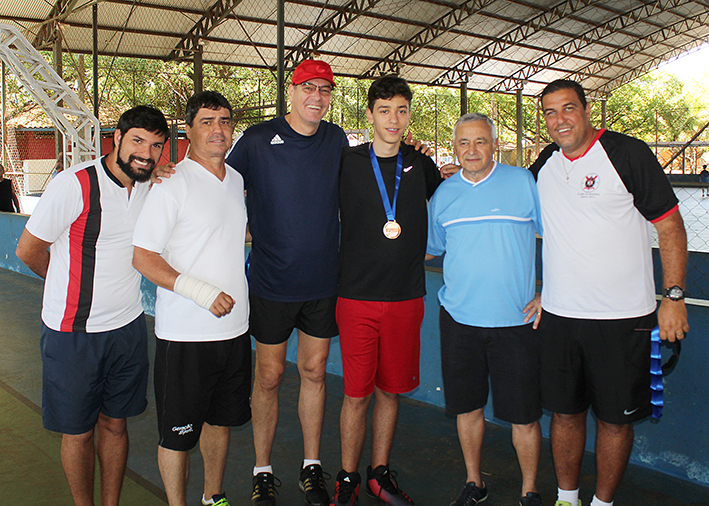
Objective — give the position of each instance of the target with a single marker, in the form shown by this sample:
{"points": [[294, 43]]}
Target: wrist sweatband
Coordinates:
{"points": [[200, 292]]}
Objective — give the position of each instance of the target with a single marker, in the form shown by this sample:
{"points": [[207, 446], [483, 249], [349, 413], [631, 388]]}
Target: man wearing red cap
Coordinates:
{"points": [[290, 166]]}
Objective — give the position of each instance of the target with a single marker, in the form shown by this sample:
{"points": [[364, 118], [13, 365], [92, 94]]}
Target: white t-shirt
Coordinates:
{"points": [[198, 225], [597, 212], [89, 217]]}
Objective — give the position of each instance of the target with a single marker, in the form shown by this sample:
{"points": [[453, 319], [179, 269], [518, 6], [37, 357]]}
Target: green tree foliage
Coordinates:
{"points": [[653, 107]]}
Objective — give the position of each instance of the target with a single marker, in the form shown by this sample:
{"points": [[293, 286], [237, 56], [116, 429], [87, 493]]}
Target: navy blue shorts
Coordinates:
{"points": [[85, 374]]}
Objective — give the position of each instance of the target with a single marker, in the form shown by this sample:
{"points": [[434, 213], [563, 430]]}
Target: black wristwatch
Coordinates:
{"points": [[673, 293]]}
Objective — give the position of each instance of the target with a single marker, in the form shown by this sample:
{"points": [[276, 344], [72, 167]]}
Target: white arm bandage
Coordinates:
{"points": [[199, 291]]}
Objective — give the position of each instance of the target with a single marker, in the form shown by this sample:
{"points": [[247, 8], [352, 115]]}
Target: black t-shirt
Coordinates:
{"points": [[6, 203], [373, 267]]}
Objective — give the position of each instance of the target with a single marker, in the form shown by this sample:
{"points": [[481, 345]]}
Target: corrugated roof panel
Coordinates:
{"points": [[256, 9], [487, 26], [419, 12], [348, 66], [513, 10], [436, 58], [530, 32], [33, 9]]}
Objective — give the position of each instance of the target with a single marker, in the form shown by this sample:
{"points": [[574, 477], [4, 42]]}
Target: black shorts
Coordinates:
{"points": [[509, 355], [84, 374], [600, 363], [272, 322], [197, 382]]}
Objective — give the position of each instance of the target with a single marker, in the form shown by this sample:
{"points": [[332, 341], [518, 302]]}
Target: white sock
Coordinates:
{"points": [[570, 496], [206, 502], [597, 502], [309, 462], [264, 469]]}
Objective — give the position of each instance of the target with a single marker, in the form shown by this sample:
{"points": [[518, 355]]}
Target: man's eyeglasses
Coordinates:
{"points": [[310, 88]]}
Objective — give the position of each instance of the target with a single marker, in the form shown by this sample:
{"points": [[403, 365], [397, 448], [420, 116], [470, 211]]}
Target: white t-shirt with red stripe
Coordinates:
{"points": [[597, 212], [89, 217]]}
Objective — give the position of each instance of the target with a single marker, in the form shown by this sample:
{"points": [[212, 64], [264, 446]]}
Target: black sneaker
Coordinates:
{"points": [[312, 483], [381, 483], [264, 491], [346, 489], [470, 495], [531, 499]]}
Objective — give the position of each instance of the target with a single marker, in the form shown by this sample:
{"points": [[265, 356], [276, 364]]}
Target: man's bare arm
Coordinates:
{"points": [[672, 237], [34, 253], [15, 200], [156, 269]]}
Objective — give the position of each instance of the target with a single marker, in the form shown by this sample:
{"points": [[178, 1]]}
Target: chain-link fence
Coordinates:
{"points": [[30, 152]]}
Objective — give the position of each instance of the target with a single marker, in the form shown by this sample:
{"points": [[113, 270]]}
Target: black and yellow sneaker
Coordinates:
{"points": [[470, 495], [264, 491], [312, 483]]}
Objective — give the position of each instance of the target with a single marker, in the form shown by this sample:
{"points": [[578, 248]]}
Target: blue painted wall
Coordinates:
{"points": [[11, 227], [678, 445]]}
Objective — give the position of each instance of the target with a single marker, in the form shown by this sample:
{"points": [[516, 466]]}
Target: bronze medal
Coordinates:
{"points": [[392, 229]]}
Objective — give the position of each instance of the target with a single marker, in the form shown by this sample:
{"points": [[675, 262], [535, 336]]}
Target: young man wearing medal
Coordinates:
{"points": [[384, 188]]}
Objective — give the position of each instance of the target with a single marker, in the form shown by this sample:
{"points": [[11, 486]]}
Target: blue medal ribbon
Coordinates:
{"points": [[390, 209], [656, 373]]}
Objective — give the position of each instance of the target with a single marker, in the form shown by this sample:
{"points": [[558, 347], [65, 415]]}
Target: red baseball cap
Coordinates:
{"points": [[313, 69]]}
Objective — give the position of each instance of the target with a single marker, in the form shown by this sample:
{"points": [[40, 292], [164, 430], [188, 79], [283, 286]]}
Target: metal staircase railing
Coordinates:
{"points": [[79, 127]]}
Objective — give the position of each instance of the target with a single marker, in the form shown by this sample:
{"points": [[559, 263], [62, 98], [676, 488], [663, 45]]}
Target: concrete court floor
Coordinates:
{"points": [[425, 454]]}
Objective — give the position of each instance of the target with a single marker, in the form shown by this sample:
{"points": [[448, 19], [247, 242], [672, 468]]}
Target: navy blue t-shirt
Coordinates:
{"points": [[291, 183]]}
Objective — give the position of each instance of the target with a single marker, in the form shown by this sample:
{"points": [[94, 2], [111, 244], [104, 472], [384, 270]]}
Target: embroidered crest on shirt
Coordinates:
{"points": [[590, 182], [276, 140]]}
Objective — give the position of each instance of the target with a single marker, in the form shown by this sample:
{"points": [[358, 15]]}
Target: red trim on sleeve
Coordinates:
{"points": [[598, 136], [675, 208]]}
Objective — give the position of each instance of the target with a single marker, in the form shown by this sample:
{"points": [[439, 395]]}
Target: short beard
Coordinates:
{"points": [[139, 176]]}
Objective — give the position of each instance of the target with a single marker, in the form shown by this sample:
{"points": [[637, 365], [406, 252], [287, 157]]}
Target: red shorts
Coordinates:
{"points": [[380, 344]]}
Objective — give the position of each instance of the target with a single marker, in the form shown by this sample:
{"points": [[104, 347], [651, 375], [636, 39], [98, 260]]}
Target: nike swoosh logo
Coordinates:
{"points": [[407, 169], [626, 412]]}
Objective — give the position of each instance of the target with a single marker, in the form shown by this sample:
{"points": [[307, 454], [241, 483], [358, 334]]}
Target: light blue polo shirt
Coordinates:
{"points": [[487, 230]]}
